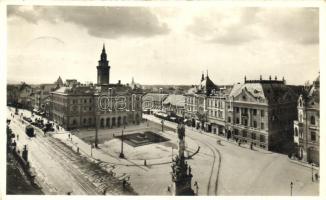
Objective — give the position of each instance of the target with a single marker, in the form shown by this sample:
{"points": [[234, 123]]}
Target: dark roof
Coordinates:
{"points": [[272, 92]]}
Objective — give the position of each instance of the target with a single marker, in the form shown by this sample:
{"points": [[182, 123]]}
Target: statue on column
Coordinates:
{"points": [[181, 172]]}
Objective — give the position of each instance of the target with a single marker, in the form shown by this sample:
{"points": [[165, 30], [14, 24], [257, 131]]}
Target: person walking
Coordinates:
{"points": [[197, 187]]}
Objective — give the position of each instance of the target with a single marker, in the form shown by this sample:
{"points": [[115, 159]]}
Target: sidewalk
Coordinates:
{"points": [[305, 164]]}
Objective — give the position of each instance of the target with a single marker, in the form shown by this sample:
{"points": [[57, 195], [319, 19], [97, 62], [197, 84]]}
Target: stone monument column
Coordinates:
{"points": [[181, 172]]}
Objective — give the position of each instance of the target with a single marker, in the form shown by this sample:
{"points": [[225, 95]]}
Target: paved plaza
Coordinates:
{"points": [[228, 169]]}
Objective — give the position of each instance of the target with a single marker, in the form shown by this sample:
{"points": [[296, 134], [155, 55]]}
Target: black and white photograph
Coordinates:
{"points": [[172, 99]]}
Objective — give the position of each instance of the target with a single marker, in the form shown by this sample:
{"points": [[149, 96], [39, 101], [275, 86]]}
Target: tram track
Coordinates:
{"points": [[215, 151]]}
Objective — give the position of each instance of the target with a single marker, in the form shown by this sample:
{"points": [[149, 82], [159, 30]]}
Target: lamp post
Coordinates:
{"points": [[121, 153], [312, 172], [91, 150], [96, 131], [291, 185]]}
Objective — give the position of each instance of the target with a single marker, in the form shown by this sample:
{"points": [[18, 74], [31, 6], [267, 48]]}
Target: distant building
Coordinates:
{"points": [[24, 96], [41, 95], [12, 94], [103, 105], [59, 82], [153, 102], [133, 85], [261, 112], [306, 127], [174, 106]]}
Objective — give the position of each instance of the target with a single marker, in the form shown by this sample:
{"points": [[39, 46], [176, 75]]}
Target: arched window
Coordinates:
{"points": [[102, 122], [312, 120], [296, 131]]}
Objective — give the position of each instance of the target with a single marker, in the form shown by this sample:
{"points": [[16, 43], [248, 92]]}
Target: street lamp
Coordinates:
{"points": [[121, 153], [312, 172], [96, 130], [291, 185], [91, 150]]}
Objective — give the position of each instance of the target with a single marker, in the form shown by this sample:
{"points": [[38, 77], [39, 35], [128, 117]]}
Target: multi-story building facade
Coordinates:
{"points": [[103, 105], [306, 127], [12, 94], [261, 112], [196, 107], [153, 102], [25, 92], [42, 94], [216, 113], [174, 105]]}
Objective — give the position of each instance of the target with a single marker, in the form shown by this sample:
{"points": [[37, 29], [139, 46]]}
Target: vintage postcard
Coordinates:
{"points": [[162, 98]]}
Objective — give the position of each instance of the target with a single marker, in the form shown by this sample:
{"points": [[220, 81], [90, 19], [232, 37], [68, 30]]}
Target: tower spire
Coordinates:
{"points": [[103, 54], [103, 50], [103, 69]]}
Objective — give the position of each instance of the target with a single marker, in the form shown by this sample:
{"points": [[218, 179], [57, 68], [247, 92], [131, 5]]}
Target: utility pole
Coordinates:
{"points": [[121, 153], [291, 185]]}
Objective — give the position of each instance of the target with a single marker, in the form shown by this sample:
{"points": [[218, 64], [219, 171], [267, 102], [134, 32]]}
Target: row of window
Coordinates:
{"points": [[84, 100], [245, 122], [313, 136], [252, 135], [215, 113], [215, 103], [312, 119], [244, 111]]}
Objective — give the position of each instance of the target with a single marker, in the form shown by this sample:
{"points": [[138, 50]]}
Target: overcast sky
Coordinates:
{"points": [[162, 45]]}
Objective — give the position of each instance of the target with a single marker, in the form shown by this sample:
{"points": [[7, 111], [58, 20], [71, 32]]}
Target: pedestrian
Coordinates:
{"points": [[17, 137], [145, 164], [251, 146], [124, 182], [169, 189], [316, 176], [196, 186], [77, 149]]}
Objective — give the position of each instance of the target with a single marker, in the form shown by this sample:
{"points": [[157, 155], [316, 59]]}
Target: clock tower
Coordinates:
{"points": [[103, 69]]}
